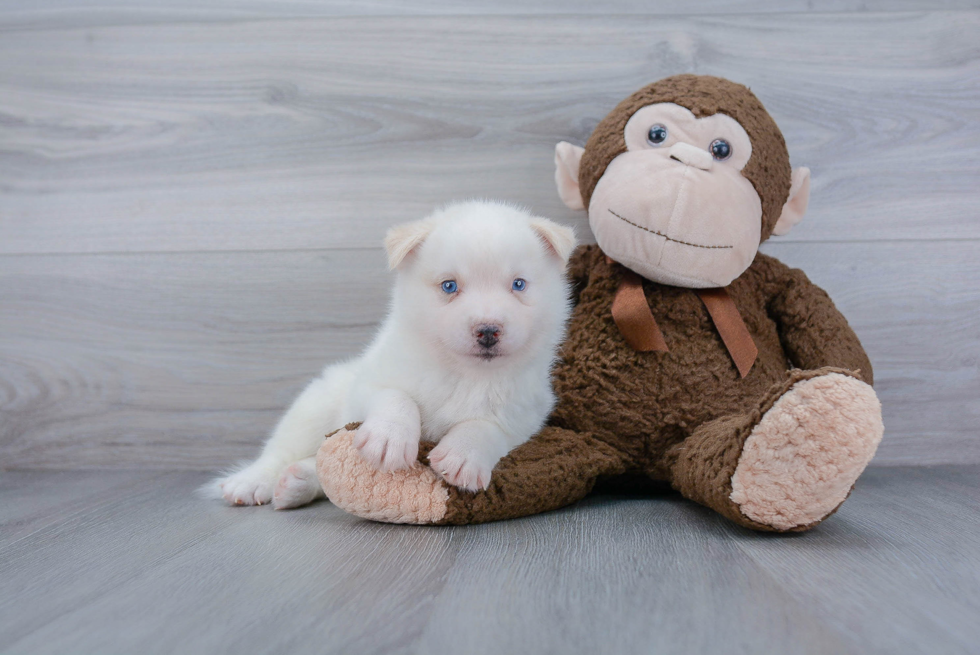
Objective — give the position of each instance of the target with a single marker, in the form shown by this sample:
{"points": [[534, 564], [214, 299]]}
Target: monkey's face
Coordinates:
{"points": [[675, 207]]}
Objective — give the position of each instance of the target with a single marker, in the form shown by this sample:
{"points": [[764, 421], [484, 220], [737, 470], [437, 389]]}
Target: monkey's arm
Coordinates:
{"points": [[813, 332]]}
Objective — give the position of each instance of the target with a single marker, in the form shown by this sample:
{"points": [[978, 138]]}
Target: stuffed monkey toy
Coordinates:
{"points": [[692, 359]]}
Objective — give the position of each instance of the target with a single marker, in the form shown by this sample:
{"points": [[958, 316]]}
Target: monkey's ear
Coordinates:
{"points": [[560, 240], [795, 207], [567, 159], [403, 239]]}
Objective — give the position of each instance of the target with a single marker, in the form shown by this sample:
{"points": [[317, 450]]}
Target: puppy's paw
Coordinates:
{"points": [[466, 468], [387, 445], [297, 486], [250, 486]]}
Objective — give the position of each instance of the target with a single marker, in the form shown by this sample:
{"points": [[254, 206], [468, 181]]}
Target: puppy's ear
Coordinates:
{"points": [[558, 239], [401, 240]]}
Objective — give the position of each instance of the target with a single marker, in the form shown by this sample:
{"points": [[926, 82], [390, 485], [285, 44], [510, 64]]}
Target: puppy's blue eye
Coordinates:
{"points": [[449, 286], [519, 285]]}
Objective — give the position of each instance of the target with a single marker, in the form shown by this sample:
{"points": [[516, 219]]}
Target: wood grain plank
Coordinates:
{"points": [[75, 561], [186, 360], [30, 504], [175, 355], [289, 134], [49, 14]]}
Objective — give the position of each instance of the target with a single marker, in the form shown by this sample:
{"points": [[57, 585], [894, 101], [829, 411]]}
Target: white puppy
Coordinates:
{"points": [[463, 358]]}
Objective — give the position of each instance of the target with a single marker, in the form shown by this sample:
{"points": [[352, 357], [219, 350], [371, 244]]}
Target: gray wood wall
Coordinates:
{"points": [[192, 195]]}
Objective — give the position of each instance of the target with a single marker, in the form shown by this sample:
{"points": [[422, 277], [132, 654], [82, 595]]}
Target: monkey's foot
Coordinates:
{"points": [[802, 459], [414, 495]]}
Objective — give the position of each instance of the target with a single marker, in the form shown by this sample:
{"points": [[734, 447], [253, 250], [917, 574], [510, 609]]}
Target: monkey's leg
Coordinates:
{"points": [[554, 469], [791, 460]]}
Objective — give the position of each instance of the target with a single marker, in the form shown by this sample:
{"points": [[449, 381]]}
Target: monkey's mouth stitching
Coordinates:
{"points": [[660, 234]]}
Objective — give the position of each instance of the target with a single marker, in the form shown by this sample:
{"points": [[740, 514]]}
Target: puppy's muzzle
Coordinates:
{"points": [[487, 335]]}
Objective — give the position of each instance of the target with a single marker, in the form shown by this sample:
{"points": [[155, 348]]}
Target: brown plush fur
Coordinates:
{"points": [[768, 169]]}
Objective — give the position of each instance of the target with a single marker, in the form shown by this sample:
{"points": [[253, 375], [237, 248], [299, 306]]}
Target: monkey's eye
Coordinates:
{"points": [[720, 149], [657, 134], [449, 286], [519, 284]]}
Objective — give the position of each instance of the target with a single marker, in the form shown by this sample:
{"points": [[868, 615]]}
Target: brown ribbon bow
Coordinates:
{"points": [[638, 326]]}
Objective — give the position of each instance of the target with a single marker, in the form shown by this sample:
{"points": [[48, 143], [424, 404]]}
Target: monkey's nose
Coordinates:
{"points": [[487, 335], [685, 153]]}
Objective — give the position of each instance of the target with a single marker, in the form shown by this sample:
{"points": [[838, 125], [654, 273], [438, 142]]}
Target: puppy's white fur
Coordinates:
{"points": [[469, 369]]}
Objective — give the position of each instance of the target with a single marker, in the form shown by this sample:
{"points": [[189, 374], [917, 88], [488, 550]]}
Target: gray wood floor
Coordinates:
{"points": [[126, 562], [192, 194]]}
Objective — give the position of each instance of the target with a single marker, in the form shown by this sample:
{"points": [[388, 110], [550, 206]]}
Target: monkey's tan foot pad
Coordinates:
{"points": [[412, 495], [802, 459]]}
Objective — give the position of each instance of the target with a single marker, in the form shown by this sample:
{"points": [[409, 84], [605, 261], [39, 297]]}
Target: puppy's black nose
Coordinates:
{"points": [[487, 335]]}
